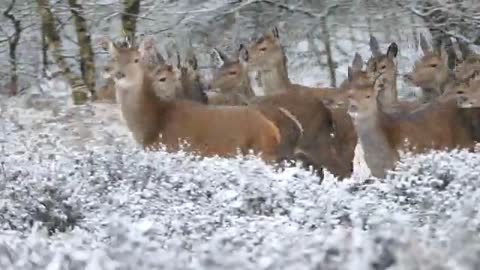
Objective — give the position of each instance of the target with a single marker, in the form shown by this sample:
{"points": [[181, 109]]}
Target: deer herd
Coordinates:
{"points": [[172, 106]]}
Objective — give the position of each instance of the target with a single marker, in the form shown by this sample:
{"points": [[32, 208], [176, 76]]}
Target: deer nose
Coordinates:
{"points": [[408, 77], [119, 75], [462, 99]]}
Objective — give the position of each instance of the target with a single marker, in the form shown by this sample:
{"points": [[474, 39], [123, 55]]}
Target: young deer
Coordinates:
{"points": [[355, 74], [192, 85], [208, 130], [381, 63], [431, 73], [316, 146], [231, 81], [436, 126], [107, 92], [467, 63]]}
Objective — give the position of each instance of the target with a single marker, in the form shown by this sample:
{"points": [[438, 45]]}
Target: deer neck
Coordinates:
{"points": [[378, 152], [245, 87], [142, 110], [275, 79], [390, 95], [430, 93]]}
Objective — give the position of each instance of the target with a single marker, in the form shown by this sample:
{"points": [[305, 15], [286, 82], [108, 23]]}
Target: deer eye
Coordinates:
{"points": [[368, 96], [136, 60], [384, 67], [460, 92], [263, 49], [233, 72], [433, 65], [162, 79]]}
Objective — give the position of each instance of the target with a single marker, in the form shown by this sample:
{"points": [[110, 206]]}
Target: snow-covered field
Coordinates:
{"points": [[77, 193]]}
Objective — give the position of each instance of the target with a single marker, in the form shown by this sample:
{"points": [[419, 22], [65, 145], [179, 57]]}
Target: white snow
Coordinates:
{"points": [[77, 193]]}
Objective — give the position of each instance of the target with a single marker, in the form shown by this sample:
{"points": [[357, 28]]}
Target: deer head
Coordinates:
{"points": [[431, 71], [166, 83], [127, 68], [266, 52], [381, 63], [230, 74], [363, 100]]}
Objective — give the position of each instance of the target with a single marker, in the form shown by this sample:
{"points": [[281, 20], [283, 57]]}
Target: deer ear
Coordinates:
{"points": [[272, 34], [374, 47], [191, 59], [243, 55], [424, 45], [350, 74], [443, 55], [112, 48], [357, 63], [104, 43], [219, 58], [275, 32], [148, 42], [392, 50]]}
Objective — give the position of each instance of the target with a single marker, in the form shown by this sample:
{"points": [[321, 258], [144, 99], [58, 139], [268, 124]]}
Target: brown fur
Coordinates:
{"points": [[430, 73], [316, 145], [209, 130], [437, 126], [266, 56], [384, 63]]}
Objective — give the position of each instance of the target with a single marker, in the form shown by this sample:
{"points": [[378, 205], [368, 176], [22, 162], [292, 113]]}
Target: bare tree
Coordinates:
{"points": [[13, 40], [87, 58], [79, 90], [131, 9]]}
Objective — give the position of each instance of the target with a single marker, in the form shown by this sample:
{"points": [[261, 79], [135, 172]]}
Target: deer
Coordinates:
{"points": [[230, 84], [384, 63], [266, 56], [382, 135], [467, 62], [316, 147], [208, 130], [192, 84], [469, 97], [431, 72], [355, 73], [107, 91]]}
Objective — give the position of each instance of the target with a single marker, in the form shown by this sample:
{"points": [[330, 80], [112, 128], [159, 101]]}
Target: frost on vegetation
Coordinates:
{"points": [[110, 205]]}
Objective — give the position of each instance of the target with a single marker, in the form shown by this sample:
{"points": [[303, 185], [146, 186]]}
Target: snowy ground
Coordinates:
{"points": [[76, 193]]}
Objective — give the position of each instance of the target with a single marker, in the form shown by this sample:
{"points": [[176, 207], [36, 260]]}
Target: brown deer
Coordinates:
{"points": [[107, 92], [384, 63], [266, 56], [431, 72], [192, 85], [355, 74], [230, 81], [436, 126], [467, 63], [470, 99], [433, 75], [209, 130], [316, 146]]}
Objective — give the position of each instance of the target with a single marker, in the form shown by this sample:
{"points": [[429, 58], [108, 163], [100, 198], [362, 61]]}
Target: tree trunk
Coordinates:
{"points": [[328, 51], [131, 8], [87, 58], [44, 50], [79, 90], [12, 47]]}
